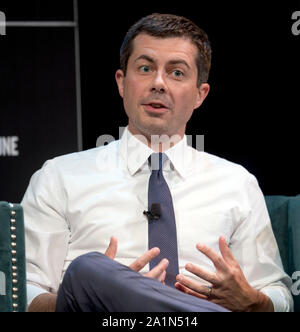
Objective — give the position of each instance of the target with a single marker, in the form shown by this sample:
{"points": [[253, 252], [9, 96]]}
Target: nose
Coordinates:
{"points": [[158, 83]]}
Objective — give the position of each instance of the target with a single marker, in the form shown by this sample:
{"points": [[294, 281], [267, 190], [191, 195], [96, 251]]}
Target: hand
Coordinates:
{"points": [[158, 272], [229, 287]]}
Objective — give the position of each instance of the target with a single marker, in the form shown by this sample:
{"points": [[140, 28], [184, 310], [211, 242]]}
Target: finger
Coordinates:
{"points": [[203, 274], [225, 251], [142, 261], [186, 290], [158, 270], [193, 285], [111, 251], [162, 277], [218, 260]]}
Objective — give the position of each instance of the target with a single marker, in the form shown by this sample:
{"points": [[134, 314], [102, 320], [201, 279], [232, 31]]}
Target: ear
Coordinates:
{"points": [[203, 91], [120, 81]]}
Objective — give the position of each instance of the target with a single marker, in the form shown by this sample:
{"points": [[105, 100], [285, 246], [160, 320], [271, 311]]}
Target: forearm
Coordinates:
{"points": [[45, 302]]}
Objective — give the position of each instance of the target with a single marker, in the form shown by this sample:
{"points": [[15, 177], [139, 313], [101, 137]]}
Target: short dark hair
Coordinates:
{"points": [[167, 26]]}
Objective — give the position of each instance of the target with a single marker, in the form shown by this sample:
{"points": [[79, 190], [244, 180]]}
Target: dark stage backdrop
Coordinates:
{"points": [[38, 100], [250, 116]]}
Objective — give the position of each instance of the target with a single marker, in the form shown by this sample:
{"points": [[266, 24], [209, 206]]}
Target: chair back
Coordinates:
{"points": [[284, 213], [12, 259]]}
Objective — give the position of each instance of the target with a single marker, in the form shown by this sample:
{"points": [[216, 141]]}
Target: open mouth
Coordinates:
{"points": [[155, 107]]}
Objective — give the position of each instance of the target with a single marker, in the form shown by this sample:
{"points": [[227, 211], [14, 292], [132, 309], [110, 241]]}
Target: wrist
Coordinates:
{"points": [[261, 303]]}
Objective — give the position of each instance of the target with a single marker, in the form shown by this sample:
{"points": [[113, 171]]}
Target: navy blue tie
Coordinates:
{"points": [[162, 229]]}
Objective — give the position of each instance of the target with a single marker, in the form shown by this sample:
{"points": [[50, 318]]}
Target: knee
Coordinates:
{"points": [[76, 281], [92, 269], [83, 265]]}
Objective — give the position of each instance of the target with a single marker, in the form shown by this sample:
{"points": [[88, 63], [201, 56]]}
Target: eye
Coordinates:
{"points": [[177, 73], [144, 69]]}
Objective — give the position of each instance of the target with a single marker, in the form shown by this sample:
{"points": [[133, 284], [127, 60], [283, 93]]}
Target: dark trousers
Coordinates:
{"points": [[96, 283]]}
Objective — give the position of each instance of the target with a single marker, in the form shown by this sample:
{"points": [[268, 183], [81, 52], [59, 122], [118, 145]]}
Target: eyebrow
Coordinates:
{"points": [[145, 57], [179, 61], [171, 62]]}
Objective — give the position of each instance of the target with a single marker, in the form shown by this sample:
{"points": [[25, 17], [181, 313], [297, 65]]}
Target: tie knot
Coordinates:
{"points": [[156, 161]]}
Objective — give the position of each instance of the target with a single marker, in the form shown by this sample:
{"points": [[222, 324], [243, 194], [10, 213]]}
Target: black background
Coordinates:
{"points": [[250, 116], [37, 91]]}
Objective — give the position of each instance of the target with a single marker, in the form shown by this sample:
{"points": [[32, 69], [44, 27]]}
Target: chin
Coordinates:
{"points": [[153, 129]]}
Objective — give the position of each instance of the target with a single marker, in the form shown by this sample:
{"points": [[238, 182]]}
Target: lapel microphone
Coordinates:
{"points": [[154, 213]]}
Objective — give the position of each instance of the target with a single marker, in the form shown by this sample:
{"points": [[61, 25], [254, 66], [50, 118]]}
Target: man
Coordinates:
{"points": [[223, 253]]}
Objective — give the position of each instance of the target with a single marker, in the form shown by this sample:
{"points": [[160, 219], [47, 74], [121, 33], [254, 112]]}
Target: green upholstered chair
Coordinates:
{"points": [[12, 259], [285, 218]]}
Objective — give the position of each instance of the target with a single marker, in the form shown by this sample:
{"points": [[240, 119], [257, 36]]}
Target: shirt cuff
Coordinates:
{"points": [[33, 291], [282, 302]]}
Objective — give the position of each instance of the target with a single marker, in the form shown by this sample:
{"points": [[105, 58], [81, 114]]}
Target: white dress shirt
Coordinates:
{"points": [[76, 202]]}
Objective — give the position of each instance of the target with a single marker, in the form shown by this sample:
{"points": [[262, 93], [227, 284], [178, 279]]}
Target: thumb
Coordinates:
{"points": [[111, 251]]}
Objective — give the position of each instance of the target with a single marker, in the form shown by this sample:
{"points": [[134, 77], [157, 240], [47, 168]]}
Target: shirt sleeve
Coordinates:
{"points": [[254, 246], [46, 228], [280, 296]]}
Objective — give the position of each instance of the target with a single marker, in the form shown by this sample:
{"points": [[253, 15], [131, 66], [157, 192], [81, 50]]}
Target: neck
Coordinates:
{"points": [[157, 142]]}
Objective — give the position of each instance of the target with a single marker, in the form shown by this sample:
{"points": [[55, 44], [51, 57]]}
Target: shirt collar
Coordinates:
{"points": [[136, 153]]}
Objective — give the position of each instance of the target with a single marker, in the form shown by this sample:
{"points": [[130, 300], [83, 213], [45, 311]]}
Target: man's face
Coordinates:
{"points": [[160, 89]]}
